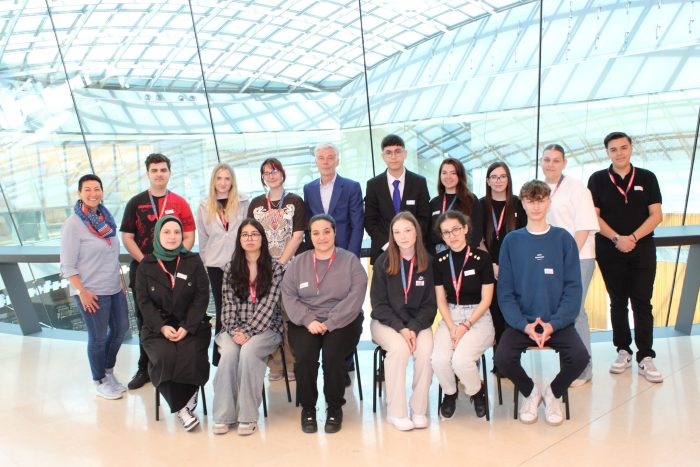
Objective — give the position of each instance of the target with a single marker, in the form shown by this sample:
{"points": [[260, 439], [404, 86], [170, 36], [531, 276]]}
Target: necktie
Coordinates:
{"points": [[396, 196]]}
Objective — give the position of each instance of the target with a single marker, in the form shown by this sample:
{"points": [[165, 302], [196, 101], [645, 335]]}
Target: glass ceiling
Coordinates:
{"points": [[245, 46]]}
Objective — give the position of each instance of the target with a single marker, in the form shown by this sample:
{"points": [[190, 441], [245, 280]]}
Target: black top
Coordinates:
{"points": [[476, 216], [477, 271], [498, 206], [387, 297], [624, 218]]}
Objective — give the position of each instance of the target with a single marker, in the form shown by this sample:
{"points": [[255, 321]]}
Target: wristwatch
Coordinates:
{"points": [[615, 239]]}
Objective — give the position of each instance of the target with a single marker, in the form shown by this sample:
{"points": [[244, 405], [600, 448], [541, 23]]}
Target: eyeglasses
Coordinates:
{"points": [[452, 233], [270, 172], [396, 152], [252, 235], [498, 178]]}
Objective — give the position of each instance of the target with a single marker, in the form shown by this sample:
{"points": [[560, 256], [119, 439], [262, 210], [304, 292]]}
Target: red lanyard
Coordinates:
{"points": [[171, 276], [457, 284], [274, 217], [444, 202], [154, 204], [318, 280], [251, 287], [500, 221], [629, 185], [407, 284], [554, 192], [222, 216]]}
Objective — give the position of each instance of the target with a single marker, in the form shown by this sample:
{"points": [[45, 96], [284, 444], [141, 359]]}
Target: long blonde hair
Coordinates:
{"points": [[231, 204]]}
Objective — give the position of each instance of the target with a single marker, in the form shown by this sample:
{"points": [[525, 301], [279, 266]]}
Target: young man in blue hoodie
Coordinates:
{"points": [[539, 292]]}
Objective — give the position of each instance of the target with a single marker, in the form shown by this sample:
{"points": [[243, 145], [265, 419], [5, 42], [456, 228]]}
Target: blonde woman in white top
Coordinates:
{"points": [[572, 209], [218, 218]]}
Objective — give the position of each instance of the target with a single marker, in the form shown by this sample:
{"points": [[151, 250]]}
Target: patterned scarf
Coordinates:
{"points": [[100, 222]]}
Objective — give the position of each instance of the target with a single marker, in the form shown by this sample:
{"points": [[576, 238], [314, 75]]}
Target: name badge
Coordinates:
{"points": [[303, 285], [638, 188], [182, 276], [436, 213], [469, 272], [549, 271], [420, 283], [410, 202], [169, 211]]}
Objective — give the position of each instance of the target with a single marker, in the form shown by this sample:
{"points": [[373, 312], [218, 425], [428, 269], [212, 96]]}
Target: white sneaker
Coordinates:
{"points": [[552, 408], [187, 418], [111, 379], [420, 421], [528, 409], [220, 428], [649, 371], [401, 424], [106, 390], [621, 363], [192, 403], [578, 382], [247, 428]]}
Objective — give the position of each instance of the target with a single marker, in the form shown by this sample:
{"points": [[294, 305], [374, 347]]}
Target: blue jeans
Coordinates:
{"points": [[106, 329]]}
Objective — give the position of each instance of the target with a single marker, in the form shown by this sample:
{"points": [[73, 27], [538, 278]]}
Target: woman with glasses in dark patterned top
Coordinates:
{"points": [[502, 212], [251, 329]]}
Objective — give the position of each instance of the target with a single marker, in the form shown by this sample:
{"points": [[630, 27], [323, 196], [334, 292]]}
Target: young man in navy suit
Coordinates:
{"points": [[340, 198], [396, 189]]}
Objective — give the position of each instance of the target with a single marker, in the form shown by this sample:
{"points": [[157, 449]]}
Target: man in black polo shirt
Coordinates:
{"points": [[628, 203]]}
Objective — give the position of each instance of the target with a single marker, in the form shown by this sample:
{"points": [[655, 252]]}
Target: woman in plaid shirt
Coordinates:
{"points": [[251, 329]]}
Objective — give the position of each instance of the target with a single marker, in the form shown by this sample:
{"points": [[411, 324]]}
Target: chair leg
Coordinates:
{"points": [[357, 374], [374, 379], [157, 405], [500, 393], [515, 402], [439, 398], [204, 400], [286, 375], [264, 401], [486, 387]]}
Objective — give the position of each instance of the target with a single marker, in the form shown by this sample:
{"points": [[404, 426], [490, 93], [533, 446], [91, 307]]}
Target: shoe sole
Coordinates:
{"points": [[220, 431], [192, 426], [247, 432], [332, 429], [309, 429], [443, 418], [528, 422], [110, 398], [651, 379], [619, 371], [552, 423]]}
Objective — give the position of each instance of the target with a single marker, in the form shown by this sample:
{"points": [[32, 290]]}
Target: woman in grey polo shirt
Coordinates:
{"points": [[90, 262]]}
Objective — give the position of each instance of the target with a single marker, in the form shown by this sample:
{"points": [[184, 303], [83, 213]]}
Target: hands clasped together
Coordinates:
{"points": [[539, 338], [173, 335]]}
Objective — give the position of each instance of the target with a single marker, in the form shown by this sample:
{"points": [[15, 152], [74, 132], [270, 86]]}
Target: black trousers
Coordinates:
{"points": [[335, 346], [216, 279], [143, 358], [176, 394], [574, 358], [629, 277], [499, 323]]}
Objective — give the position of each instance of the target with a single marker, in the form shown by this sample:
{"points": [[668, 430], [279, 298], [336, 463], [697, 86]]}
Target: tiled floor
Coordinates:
{"points": [[50, 416]]}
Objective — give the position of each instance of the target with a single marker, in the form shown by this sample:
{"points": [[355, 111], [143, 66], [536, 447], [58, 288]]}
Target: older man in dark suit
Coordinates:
{"points": [[339, 197], [396, 189]]}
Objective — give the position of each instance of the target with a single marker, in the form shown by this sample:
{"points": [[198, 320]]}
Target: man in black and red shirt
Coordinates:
{"points": [[140, 217], [627, 200]]}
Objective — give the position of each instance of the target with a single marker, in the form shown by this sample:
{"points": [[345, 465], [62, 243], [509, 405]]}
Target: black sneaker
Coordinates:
{"points": [[479, 400], [308, 421], [140, 378], [448, 406], [334, 419]]}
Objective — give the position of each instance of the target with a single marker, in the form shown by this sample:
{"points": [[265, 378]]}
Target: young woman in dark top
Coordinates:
{"points": [[503, 212], [403, 311], [172, 290], [463, 288], [454, 194]]}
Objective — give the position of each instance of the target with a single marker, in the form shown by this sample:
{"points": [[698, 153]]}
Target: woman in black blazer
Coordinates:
{"points": [[172, 290]]}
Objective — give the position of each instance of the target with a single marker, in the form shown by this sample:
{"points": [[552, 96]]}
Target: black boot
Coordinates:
{"points": [[448, 406], [334, 419], [308, 420], [140, 378], [479, 400]]}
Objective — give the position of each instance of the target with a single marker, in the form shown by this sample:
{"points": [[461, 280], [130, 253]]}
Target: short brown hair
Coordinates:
{"points": [[535, 190]]}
